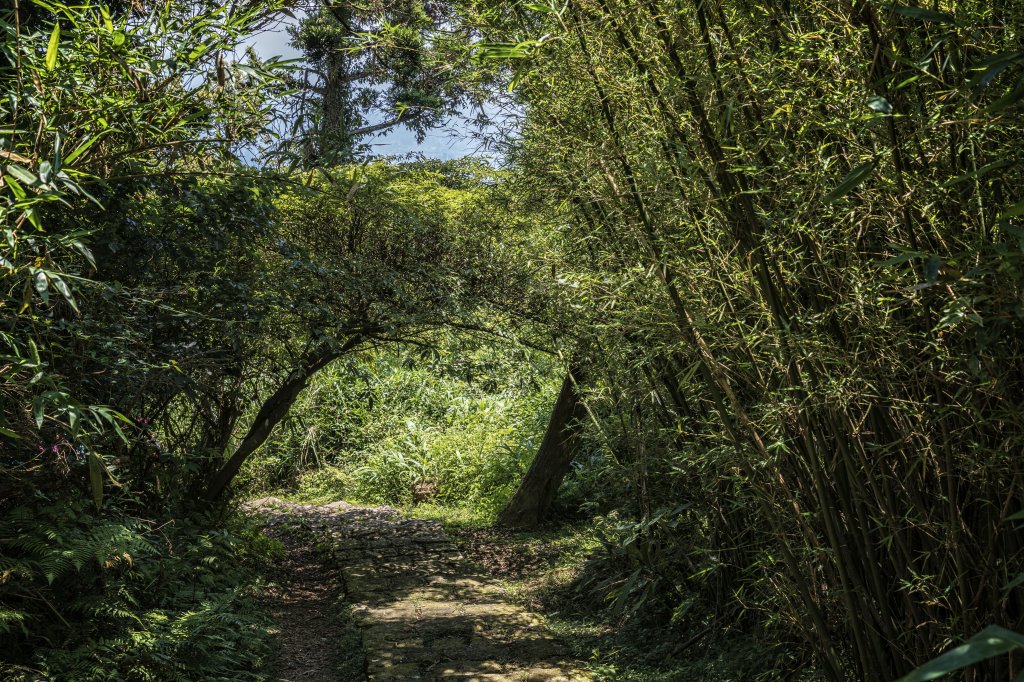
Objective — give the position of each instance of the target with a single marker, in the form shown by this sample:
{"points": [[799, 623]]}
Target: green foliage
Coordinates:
{"points": [[369, 69], [93, 596], [88, 95], [108, 120], [455, 426], [789, 258], [644, 570], [992, 642]]}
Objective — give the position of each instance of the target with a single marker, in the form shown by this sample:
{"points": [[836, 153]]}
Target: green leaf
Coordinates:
{"points": [[1016, 582], [851, 181], [107, 21], [995, 65], [501, 51], [924, 14], [1013, 211], [904, 257], [16, 189], [58, 143], [984, 170], [41, 282], [119, 38], [38, 407], [1008, 100], [33, 218], [85, 251], [83, 148], [65, 291], [198, 51], [33, 351], [880, 104], [991, 642], [22, 173], [51, 49]]}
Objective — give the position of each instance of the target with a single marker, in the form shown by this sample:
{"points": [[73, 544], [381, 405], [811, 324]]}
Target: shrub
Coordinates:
{"points": [[97, 595]]}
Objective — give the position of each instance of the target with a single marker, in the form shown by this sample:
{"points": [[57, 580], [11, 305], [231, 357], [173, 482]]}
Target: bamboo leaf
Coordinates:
{"points": [[107, 21], [1016, 582], [981, 172], [51, 49], [65, 291], [1008, 100], [851, 181], [42, 283], [85, 251], [1013, 211], [880, 104], [994, 66], [16, 189], [924, 14], [33, 218], [991, 642], [198, 51], [38, 410], [23, 174], [84, 147]]}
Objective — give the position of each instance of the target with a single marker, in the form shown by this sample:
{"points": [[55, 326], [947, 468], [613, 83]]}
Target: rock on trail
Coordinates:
{"points": [[422, 611]]}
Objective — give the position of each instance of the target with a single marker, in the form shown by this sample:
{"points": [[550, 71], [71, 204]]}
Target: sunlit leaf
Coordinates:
{"points": [[51, 49], [23, 174]]}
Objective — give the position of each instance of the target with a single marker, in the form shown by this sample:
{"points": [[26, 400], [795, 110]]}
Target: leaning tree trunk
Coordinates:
{"points": [[274, 409], [536, 492]]}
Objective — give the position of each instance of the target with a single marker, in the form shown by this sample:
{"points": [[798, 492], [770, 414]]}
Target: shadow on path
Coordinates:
{"points": [[422, 612]]}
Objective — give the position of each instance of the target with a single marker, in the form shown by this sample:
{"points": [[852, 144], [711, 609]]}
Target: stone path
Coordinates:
{"points": [[423, 613], [305, 600]]}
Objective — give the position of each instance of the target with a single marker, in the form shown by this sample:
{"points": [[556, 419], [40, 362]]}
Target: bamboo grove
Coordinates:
{"points": [[797, 228]]}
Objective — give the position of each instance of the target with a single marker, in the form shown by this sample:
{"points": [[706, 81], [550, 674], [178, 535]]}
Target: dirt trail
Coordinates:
{"points": [[419, 608]]}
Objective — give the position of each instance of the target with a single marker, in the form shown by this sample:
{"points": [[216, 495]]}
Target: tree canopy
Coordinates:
{"points": [[369, 68]]}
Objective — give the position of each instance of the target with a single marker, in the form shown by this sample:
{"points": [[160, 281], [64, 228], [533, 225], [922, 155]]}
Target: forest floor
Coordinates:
{"points": [[365, 594]]}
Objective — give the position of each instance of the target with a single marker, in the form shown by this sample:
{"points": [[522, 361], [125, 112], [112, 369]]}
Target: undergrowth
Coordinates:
{"points": [[574, 575], [97, 595], [457, 430]]}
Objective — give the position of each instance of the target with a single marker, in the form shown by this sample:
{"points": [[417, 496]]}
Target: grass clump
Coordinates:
{"points": [[390, 428]]}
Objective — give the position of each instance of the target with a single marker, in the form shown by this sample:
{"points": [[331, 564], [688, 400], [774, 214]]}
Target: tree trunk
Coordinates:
{"points": [[274, 409], [530, 504]]}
